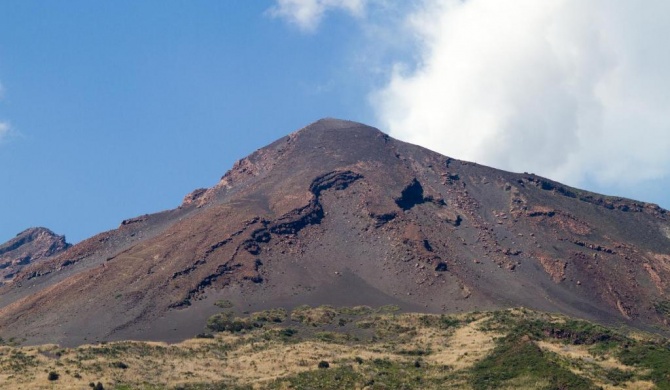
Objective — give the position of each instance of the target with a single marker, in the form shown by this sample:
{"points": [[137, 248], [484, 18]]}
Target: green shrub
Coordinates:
{"points": [[654, 357], [120, 365], [663, 308], [273, 315], [318, 316], [225, 322], [355, 311], [415, 352], [388, 309], [617, 376], [224, 304], [365, 324], [516, 357]]}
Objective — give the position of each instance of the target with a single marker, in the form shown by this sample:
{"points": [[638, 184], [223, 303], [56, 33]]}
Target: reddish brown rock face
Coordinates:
{"points": [[339, 213], [28, 247]]}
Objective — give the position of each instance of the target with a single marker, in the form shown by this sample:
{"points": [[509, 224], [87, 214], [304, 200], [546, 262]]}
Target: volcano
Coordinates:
{"points": [[340, 213]]}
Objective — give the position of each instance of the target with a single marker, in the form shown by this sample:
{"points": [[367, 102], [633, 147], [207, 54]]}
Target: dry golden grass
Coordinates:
{"points": [[243, 358], [467, 345], [447, 351], [581, 353]]}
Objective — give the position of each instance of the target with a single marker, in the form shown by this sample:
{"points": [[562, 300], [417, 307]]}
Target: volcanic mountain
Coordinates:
{"points": [[340, 213], [28, 247]]}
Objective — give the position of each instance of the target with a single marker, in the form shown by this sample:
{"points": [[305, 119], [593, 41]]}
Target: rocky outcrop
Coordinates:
{"points": [[29, 247], [194, 197], [245, 258]]}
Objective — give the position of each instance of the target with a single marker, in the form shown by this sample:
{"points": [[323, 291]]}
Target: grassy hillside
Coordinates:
{"points": [[358, 348]]}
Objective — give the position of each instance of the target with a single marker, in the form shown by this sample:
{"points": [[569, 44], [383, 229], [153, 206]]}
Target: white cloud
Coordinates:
{"points": [[307, 14], [574, 90], [4, 130], [4, 126]]}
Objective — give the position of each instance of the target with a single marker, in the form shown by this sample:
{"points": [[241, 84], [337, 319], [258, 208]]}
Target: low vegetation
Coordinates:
{"points": [[358, 348]]}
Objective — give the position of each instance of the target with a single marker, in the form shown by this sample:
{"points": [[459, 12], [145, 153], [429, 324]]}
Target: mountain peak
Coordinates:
{"points": [[329, 123], [35, 231], [29, 246], [335, 125]]}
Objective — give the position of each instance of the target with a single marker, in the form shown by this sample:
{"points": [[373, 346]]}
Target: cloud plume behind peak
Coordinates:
{"points": [[572, 90]]}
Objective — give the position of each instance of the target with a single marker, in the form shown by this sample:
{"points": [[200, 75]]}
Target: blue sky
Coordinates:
{"points": [[109, 110]]}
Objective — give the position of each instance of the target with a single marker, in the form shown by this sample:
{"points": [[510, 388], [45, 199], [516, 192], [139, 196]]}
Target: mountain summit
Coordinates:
{"points": [[28, 247], [340, 213]]}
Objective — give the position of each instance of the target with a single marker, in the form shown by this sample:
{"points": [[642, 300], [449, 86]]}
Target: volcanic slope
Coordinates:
{"points": [[30, 246], [339, 213]]}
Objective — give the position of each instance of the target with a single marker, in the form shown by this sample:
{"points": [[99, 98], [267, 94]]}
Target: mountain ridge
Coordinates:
{"points": [[30, 246]]}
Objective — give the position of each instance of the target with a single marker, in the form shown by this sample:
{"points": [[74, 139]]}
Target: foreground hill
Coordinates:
{"points": [[339, 213], [360, 348], [29, 247]]}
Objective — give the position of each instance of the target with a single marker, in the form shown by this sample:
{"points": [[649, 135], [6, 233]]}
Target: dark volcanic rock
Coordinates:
{"points": [[29, 247], [339, 213]]}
